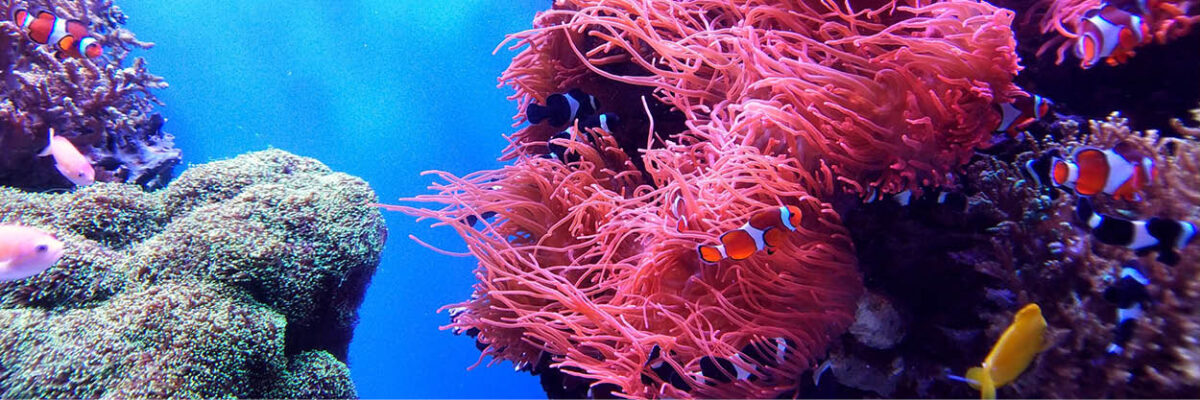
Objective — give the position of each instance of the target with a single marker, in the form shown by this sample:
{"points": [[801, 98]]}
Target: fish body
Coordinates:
{"points": [[1012, 353], [26, 251], [765, 229], [1128, 293], [929, 198], [1166, 236], [563, 108], [66, 35], [1122, 171], [1111, 34], [69, 161], [1022, 112]]}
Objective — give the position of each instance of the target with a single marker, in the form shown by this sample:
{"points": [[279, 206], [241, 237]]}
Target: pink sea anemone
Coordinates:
{"points": [[592, 264]]}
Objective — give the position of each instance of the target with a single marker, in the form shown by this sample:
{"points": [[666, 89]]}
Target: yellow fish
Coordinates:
{"points": [[1012, 353]]}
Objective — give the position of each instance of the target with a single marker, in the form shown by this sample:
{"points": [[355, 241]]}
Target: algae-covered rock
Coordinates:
{"points": [[240, 279]]}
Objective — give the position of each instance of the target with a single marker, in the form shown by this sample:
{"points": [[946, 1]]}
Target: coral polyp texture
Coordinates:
{"points": [[103, 105], [241, 279]]}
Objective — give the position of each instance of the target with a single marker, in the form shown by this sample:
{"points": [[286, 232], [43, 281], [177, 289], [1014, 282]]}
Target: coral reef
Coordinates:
{"points": [[246, 288], [1020, 243], [104, 106]]}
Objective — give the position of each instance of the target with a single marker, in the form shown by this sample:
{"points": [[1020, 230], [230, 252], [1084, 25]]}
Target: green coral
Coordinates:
{"points": [[241, 279]]}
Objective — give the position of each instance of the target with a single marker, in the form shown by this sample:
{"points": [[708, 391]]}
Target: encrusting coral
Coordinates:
{"points": [[245, 289]]}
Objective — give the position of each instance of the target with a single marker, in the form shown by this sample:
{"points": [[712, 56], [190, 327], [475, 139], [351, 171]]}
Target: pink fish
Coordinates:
{"points": [[26, 251], [69, 161]]}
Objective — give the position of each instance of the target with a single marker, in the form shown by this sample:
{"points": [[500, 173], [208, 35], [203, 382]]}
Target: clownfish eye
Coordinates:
{"points": [[41, 248]]}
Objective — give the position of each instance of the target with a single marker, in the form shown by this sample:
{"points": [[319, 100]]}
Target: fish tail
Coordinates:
{"points": [[49, 140], [986, 386]]}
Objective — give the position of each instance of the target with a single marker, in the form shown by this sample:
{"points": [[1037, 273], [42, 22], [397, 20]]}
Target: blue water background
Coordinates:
{"points": [[381, 89]]}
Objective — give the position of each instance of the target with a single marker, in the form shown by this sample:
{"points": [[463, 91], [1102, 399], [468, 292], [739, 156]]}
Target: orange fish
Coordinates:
{"points": [[1121, 171], [26, 251], [1022, 112], [69, 161], [1109, 33], [69, 36], [762, 231]]}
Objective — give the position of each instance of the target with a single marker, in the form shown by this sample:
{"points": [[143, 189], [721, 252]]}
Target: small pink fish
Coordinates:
{"points": [[69, 161], [26, 251]]}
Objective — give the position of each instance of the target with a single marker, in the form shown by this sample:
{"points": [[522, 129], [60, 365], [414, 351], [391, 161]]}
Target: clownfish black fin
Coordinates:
{"points": [[1168, 256]]}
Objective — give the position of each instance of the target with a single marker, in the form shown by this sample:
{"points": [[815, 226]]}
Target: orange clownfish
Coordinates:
{"points": [[1011, 354], [759, 233], [1121, 171], [69, 36], [1022, 112], [1111, 33]]}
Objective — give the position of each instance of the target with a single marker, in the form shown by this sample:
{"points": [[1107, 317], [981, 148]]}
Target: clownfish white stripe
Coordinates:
{"points": [[756, 234], [26, 21], [1189, 231], [1134, 312], [1135, 275], [1109, 36], [59, 32], [787, 218], [1072, 175], [85, 43], [574, 105], [1119, 171], [904, 198], [1141, 236]]}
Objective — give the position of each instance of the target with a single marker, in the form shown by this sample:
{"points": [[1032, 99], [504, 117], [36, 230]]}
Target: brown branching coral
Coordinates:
{"points": [[103, 106]]}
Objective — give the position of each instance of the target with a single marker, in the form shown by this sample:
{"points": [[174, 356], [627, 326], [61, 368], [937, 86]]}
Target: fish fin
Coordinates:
{"points": [[987, 387], [49, 141], [974, 376]]}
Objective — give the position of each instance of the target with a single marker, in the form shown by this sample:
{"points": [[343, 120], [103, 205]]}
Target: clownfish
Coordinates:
{"points": [[1121, 171], [1128, 293], [1011, 354], [1155, 234], [69, 36], [69, 161], [562, 109], [760, 232], [766, 355], [681, 220], [1022, 112], [26, 251], [929, 198], [663, 370], [606, 121], [1110, 33]]}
